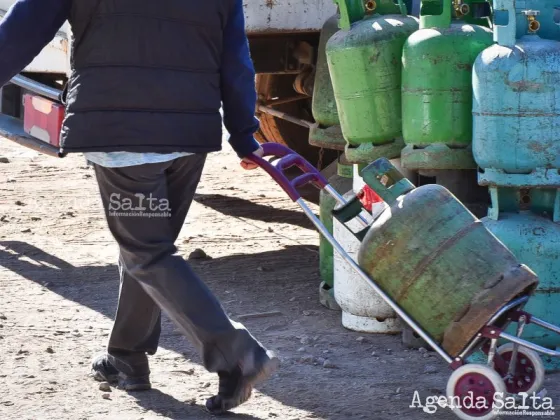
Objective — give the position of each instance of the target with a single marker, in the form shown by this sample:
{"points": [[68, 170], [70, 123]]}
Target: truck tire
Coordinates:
{"points": [[276, 130]]}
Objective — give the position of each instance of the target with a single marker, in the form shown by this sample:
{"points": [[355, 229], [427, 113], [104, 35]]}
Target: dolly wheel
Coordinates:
{"points": [[529, 370], [471, 390]]}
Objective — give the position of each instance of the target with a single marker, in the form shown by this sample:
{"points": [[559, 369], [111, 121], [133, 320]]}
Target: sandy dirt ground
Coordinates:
{"points": [[58, 288]]}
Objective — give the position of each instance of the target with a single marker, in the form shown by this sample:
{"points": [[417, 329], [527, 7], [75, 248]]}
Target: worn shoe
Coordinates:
{"points": [[103, 371], [236, 386]]}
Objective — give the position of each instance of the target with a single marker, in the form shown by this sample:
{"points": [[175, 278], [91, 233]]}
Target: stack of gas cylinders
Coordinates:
{"points": [[466, 96]]}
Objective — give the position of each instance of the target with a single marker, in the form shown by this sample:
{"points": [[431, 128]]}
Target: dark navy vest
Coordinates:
{"points": [[145, 76]]}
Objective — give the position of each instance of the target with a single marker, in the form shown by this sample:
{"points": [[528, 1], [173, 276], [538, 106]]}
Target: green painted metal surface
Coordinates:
{"points": [[436, 260], [327, 137], [327, 132], [342, 183], [324, 105], [437, 89], [364, 63]]}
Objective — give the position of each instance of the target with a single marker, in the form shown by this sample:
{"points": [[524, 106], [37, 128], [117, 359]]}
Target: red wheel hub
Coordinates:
{"points": [[472, 388], [525, 374]]}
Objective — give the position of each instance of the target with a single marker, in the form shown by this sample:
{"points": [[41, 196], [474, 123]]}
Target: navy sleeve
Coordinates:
{"points": [[26, 29], [239, 97]]}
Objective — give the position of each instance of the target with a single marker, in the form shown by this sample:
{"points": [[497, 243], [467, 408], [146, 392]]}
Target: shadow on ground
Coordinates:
{"points": [[238, 207], [366, 385], [232, 277], [168, 406]]}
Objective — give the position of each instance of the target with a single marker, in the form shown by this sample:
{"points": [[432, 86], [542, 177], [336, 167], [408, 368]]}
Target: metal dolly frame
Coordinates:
{"points": [[487, 338]]}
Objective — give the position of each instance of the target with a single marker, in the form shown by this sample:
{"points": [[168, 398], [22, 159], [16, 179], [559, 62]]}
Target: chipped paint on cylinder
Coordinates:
{"points": [[437, 261], [527, 222], [437, 91], [516, 107], [326, 133], [535, 241], [523, 221], [364, 63], [324, 104]]}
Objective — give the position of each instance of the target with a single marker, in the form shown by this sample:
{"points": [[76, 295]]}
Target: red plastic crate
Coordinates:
{"points": [[42, 119]]}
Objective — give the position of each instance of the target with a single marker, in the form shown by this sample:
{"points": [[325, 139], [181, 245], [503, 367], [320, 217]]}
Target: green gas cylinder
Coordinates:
{"points": [[436, 260], [437, 89], [326, 132], [365, 68], [342, 183]]}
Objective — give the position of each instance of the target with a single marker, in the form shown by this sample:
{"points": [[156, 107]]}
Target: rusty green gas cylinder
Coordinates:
{"points": [[326, 133], [365, 67], [437, 261], [324, 105], [437, 89], [342, 183]]}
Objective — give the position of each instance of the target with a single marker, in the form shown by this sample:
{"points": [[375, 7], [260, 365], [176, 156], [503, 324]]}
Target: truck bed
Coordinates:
{"points": [[274, 16], [54, 57], [261, 16]]}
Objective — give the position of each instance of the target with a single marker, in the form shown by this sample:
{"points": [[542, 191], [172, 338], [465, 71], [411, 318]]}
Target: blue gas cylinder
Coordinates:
{"points": [[516, 105], [527, 221], [533, 236]]}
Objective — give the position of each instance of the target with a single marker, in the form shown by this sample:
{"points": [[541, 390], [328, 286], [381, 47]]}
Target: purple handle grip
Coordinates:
{"points": [[289, 158]]}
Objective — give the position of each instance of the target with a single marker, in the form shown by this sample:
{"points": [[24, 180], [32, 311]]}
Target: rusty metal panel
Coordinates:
{"points": [[271, 16], [54, 57], [262, 16]]}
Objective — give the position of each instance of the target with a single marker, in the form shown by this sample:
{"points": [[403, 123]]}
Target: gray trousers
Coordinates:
{"points": [[146, 207]]}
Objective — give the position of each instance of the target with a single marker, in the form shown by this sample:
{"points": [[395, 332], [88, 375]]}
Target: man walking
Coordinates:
{"points": [[143, 100]]}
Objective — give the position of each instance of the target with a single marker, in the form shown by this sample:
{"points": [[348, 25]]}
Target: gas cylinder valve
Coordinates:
{"points": [[533, 24], [370, 5], [461, 9]]}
